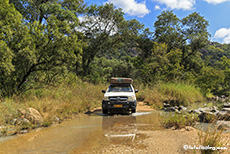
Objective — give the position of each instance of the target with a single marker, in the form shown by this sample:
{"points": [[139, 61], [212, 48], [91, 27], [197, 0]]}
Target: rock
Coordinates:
{"points": [[220, 113], [182, 108], [208, 109], [225, 110], [214, 111], [7, 130], [176, 107], [223, 96], [223, 124], [56, 119], [22, 112], [33, 116], [201, 110], [227, 105], [197, 111], [205, 109], [176, 111], [214, 108], [23, 132], [207, 117], [170, 109], [166, 105], [25, 121], [13, 121], [189, 128], [2, 127], [20, 121], [216, 98]]}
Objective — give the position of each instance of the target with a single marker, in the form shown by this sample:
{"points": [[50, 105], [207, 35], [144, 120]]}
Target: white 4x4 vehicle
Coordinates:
{"points": [[120, 96]]}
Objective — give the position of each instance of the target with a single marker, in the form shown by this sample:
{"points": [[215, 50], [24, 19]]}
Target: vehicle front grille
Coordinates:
{"points": [[118, 98]]}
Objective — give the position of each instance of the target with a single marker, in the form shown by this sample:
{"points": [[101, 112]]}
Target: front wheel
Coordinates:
{"points": [[133, 110], [105, 111]]}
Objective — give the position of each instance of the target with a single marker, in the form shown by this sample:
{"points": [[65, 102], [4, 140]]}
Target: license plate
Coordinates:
{"points": [[117, 105]]}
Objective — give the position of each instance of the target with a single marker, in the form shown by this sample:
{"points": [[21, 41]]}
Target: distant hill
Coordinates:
{"points": [[214, 51]]}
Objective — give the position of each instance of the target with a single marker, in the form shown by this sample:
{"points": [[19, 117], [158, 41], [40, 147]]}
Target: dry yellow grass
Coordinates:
{"points": [[173, 93], [63, 101]]}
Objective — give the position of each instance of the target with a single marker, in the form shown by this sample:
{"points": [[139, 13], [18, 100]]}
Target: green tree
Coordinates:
{"points": [[175, 72], [225, 65], [188, 34], [196, 34], [102, 69], [45, 51], [35, 52], [136, 38], [41, 10], [155, 65], [100, 28], [210, 80], [168, 30], [10, 23]]}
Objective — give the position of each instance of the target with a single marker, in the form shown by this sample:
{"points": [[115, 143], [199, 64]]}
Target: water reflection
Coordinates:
{"points": [[119, 128]]}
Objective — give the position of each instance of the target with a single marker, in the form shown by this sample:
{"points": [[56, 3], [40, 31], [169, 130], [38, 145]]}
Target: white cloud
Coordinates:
{"points": [[131, 7], [223, 34], [157, 7], [216, 1], [178, 4]]}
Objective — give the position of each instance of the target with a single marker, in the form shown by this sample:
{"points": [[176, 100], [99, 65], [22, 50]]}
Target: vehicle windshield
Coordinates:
{"points": [[120, 88]]}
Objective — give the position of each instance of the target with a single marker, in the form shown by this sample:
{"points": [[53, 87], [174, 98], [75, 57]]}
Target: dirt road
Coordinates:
{"points": [[95, 133]]}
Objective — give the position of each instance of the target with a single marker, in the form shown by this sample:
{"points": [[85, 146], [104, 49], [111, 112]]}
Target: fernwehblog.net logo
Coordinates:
{"points": [[200, 147]]}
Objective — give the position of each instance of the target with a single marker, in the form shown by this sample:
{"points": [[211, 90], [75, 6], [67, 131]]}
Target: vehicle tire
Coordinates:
{"points": [[133, 110], [105, 111]]}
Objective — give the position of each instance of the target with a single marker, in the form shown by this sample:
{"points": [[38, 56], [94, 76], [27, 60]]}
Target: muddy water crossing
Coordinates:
{"points": [[94, 133], [124, 131]]}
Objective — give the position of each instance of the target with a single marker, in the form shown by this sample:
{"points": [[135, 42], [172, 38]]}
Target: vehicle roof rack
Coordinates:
{"points": [[114, 80]]}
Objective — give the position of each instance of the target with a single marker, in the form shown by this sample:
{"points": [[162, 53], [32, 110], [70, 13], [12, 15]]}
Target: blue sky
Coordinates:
{"points": [[217, 12]]}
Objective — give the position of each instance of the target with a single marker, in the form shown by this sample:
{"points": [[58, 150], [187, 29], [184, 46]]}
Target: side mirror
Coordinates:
{"points": [[103, 91], [136, 90]]}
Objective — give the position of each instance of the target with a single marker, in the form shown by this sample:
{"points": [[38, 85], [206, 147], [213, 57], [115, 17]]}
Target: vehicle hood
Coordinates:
{"points": [[110, 94]]}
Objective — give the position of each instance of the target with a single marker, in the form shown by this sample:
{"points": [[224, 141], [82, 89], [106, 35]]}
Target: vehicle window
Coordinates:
{"points": [[120, 88]]}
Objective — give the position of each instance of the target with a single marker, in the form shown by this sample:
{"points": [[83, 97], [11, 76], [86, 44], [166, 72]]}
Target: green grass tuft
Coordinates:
{"points": [[212, 138], [178, 120]]}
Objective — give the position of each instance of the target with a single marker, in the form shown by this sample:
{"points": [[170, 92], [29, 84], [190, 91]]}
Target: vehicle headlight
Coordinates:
{"points": [[106, 98], [131, 98]]}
